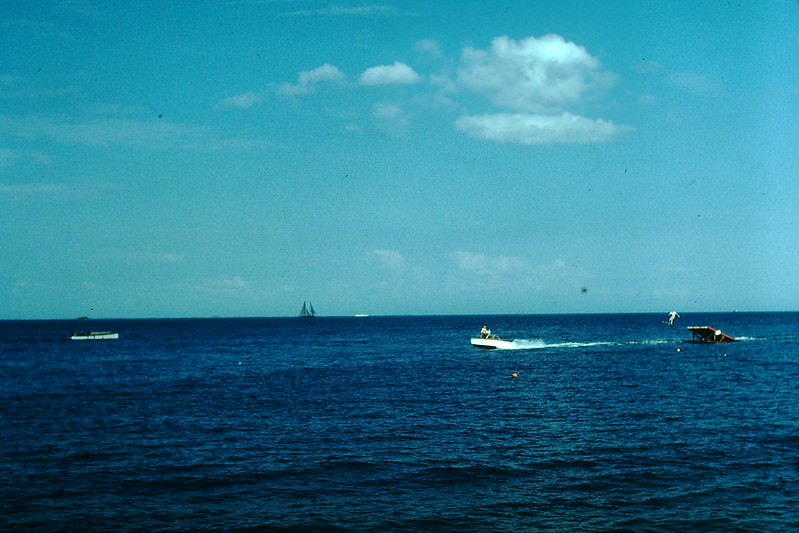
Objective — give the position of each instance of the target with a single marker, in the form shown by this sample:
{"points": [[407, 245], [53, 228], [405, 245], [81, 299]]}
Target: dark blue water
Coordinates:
{"points": [[398, 424]]}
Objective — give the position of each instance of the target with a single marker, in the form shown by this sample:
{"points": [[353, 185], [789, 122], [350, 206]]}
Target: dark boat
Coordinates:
{"points": [[707, 335], [307, 311]]}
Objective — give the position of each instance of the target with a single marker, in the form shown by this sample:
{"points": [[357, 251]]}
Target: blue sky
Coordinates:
{"points": [[235, 158]]}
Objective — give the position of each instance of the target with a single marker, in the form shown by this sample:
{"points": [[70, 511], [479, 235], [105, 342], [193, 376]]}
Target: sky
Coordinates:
{"points": [[386, 157]]}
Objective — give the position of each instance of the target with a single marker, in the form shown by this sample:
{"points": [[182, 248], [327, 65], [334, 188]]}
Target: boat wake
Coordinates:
{"points": [[526, 344], [538, 344]]}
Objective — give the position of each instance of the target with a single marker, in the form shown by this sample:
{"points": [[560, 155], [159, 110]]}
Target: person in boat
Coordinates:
{"points": [[485, 333], [674, 314]]}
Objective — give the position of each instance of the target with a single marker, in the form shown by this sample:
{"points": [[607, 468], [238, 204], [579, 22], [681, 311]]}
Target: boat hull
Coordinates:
{"points": [[95, 336], [492, 344]]}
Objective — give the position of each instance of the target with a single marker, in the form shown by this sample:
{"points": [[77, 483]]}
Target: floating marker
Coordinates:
{"points": [[514, 375]]}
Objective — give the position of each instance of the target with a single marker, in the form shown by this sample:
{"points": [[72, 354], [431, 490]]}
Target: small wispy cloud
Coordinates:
{"points": [[390, 118], [235, 282], [430, 47], [60, 192], [307, 80], [107, 131], [241, 101], [358, 11], [391, 259], [484, 265], [34, 189], [225, 285], [22, 285], [692, 82], [159, 258], [396, 74], [9, 157], [484, 272], [104, 131]]}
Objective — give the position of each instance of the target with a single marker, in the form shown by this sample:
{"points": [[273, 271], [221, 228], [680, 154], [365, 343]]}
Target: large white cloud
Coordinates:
{"points": [[396, 74], [533, 74], [536, 80], [524, 128]]}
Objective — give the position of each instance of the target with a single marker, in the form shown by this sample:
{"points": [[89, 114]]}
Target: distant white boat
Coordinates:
{"points": [[361, 315], [94, 336], [492, 342]]}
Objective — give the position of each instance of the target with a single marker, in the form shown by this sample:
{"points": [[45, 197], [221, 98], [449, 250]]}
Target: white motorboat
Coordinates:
{"points": [[94, 336], [492, 342]]}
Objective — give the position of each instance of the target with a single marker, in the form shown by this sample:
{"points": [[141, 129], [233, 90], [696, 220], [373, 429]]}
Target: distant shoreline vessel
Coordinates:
{"points": [[307, 311], [94, 336]]}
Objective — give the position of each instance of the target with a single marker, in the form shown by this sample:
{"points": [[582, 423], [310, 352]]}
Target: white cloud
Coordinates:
{"points": [[241, 101], [487, 266], [58, 192], [692, 82], [522, 128], [232, 285], [111, 131], [326, 72], [105, 131], [235, 282], [534, 74], [161, 258], [307, 80], [9, 157], [391, 259], [396, 74], [365, 10], [390, 118], [429, 46], [34, 189], [480, 272], [21, 286]]}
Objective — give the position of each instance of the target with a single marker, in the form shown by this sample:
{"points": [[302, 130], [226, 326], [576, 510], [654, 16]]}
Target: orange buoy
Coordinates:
{"points": [[514, 375]]}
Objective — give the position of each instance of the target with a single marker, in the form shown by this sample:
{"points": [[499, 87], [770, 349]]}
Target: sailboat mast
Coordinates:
{"points": [[307, 310]]}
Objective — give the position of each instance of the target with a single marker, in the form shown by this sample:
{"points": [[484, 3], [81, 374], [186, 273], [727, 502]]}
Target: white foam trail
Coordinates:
{"points": [[527, 344], [537, 344]]}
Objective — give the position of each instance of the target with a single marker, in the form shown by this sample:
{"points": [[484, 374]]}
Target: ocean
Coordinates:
{"points": [[611, 423]]}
